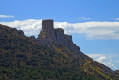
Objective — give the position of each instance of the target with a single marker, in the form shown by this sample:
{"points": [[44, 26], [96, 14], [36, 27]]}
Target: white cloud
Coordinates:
{"points": [[107, 59], [30, 26], [95, 55], [6, 16], [117, 61], [66, 26], [102, 58], [117, 18], [84, 18], [98, 30], [92, 30]]}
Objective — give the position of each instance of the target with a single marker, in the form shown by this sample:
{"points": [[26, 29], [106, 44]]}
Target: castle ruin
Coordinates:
{"points": [[49, 36]]}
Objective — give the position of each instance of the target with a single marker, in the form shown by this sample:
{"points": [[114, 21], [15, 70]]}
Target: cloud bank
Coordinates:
{"points": [[84, 18], [107, 59], [92, 29], [6, 16]]}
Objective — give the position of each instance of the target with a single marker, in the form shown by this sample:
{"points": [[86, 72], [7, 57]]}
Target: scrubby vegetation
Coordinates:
{"points": [[22, 58]]}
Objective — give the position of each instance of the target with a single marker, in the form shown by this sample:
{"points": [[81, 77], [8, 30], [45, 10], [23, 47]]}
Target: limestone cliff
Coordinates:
{"points": [[49, 36]]}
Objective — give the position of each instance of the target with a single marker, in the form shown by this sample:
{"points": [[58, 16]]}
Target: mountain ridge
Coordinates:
{"points": [[29, 57]]}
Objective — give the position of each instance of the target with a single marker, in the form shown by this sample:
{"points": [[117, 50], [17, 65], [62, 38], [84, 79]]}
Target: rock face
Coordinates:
{"points": [[20, 32], [49, 36]]}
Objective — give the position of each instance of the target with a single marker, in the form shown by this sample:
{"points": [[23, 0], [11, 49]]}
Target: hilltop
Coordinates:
{"points": [[52, 56]]}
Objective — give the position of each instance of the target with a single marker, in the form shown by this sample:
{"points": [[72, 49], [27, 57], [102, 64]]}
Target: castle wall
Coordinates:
{"points": [[49, 35]]}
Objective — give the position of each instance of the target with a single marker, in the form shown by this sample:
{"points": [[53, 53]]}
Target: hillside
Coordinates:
{"points": [[27, 58]]}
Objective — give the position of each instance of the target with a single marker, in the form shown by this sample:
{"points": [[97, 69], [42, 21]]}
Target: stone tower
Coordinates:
{"points": [[47, 31], [49, 36], [47, 24]]}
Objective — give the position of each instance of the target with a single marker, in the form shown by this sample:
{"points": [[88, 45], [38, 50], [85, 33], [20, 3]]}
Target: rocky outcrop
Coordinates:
{"points": [[116, 71], [21, 32], [32, 37], [49, 36]]}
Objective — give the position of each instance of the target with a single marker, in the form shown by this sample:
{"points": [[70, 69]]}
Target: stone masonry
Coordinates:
{"points": [[49, 36]]}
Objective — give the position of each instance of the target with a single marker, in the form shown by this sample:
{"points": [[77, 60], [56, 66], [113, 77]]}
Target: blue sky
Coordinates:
{"points": [[61, 10], [94, 24]]}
